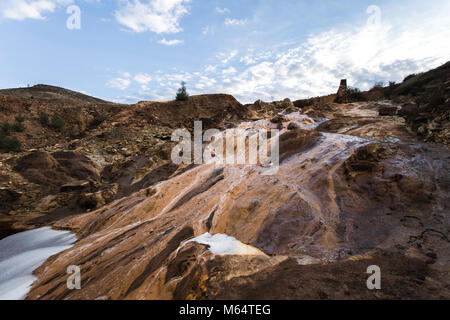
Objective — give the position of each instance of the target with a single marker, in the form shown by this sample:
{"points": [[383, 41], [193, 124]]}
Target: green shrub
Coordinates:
{"points": [[437, 99], [410, 77], [390, 89], [354, 94], [5, 128], [98, 119], [44, 119], [20, 119], [18, 127], [378, 85], [182, 94], [9, 144], [57, 123]]}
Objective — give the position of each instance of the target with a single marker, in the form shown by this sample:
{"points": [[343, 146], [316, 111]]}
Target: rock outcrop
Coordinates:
{"points": [[358, 184], [425, 100], [338, 204]]}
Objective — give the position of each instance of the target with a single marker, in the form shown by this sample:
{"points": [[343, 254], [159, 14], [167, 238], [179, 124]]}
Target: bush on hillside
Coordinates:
{"points": [[5, 128], [378, 85], [354, 94], [18, 127], [44, 119], [410, 77], [19, 118], [392, 84], [57, 123], [390, 89], [9, 144], [182, 94]]}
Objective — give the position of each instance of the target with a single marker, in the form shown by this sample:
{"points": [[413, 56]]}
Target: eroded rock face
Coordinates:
{"points": [[338, 204], [57, 169], [426, 104], [104, 152], [355, 188]]}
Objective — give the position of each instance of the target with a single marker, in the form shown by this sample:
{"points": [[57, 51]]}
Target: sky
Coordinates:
{"points": [[132, 50]]}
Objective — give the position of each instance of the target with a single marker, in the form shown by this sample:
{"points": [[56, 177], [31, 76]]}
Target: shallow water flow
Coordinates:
{"points": [[22, 253]]}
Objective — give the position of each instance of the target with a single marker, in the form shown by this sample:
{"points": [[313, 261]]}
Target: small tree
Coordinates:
{"points": [[378, 85], [390, 89], [182, 94], [20, 118], [392, 84], [57, 123], [354, 94], [412, 75], [9, 144], [5, 128], [44, 119], [19, 127]]}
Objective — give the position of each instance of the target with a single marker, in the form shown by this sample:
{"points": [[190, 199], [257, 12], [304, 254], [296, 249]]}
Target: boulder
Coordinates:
{"points": [[8, 198], [409, 109], [75, 186], [277, 119], [51, 171], [293, 126], [388, 111]]}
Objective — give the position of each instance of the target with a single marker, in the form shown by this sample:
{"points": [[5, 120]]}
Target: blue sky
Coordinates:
{"points": [[132, 50]]}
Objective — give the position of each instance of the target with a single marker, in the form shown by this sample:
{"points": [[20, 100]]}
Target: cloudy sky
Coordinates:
{"points": [[132, 50]]}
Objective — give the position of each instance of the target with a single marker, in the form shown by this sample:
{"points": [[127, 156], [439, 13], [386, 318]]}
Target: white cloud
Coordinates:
{"points": [[204, 83], [125, 80], [228, 71], [223, 10], [406, 42], [29, 9], [249, 59], [32, 9], [178, 77], [226, 57], [235, 22], [119, 83], [172, 42], [210, 68], [142, 78], [158, 16], [206, 30], [399, 46], [253, 58]]}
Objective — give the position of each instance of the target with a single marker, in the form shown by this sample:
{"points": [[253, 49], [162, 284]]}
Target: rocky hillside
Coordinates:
{"points": [[48, 93], [359, 184], [102, 152], [428, 110]]}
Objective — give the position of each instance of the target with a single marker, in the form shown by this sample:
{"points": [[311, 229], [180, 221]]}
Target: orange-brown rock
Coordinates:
{"points": [[338, 204], [353, 189]]}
